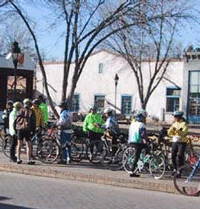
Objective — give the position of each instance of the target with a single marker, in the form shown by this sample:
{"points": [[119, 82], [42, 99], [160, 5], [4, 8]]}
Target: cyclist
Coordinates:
{"points": [[44, 108], [38, 113], [65, 123], [178, 131], [90, 127], [13, 115], [137, 138], [25, 124], [112, 128], [5, 116]]}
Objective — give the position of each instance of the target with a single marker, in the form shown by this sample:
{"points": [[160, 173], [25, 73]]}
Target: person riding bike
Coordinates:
{"points": [[90, 126]]}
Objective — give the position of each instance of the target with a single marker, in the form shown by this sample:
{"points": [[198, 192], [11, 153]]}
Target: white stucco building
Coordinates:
{"points": [[97, 85]]}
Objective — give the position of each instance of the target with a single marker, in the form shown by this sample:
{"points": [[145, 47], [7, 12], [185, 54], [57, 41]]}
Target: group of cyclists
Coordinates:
{"points": [[20, 121], [26, 117]]}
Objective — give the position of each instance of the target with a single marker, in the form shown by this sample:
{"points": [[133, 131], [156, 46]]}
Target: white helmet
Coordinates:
{"points": [[108, 110]]}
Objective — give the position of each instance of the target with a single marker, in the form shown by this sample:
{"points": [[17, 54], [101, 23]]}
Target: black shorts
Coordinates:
{"points": [[21, 134]]}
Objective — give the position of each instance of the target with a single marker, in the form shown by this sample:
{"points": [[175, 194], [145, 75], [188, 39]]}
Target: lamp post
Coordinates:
{"points": [[116, 83], [15, 51]]}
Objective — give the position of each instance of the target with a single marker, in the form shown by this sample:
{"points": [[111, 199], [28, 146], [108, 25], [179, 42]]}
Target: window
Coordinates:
{"points": [[99, 101], [100, 68], [126, 104], [173, 97], [194, 94], [75, 103]]}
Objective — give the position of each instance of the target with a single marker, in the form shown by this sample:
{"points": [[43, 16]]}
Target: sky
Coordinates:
{"points": [[53, 45]]}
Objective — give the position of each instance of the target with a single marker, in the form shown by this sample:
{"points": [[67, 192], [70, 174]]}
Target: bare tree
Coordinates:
{"points": [[152, 42]]}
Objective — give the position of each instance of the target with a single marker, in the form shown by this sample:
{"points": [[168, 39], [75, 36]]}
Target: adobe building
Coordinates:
{"points": [[97, 86], [24, 79]]}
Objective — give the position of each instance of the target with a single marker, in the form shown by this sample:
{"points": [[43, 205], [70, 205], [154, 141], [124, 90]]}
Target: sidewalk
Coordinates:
{"points": [[88, 172]]}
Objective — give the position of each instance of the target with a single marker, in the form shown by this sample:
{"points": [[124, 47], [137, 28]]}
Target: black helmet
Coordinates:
{"points": [[10, 102], [63, 104]]}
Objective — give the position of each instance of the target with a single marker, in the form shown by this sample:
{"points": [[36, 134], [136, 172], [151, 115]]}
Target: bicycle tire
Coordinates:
{"points": [[95, 151], [128, 159], [191, 155], [78, 151], [157, 166], [186, 185], [48, 151], [6, 144]]}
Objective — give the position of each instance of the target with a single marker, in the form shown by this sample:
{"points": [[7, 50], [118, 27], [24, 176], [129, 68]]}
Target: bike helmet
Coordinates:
{"points": [[93, 107], [140, 117], [108, 110], [10, 102], [63, 104], [17, 105], [27, 102], [36, 101], [178, 114]]}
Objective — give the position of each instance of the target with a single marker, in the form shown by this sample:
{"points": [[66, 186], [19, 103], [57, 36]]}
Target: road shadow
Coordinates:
{"points": [[8, 206]]}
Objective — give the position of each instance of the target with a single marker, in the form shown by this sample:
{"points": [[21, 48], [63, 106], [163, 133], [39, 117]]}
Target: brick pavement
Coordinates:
{"points": [[87, 172]]}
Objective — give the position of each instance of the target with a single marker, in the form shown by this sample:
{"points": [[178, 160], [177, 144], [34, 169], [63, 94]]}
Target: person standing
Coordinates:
{"points": [[178, 131], [12, 117], [40, 123], [44, 108], [65, 123], [5, 116], [25, 125], [138, 139], [112, 128], [90, 127]]}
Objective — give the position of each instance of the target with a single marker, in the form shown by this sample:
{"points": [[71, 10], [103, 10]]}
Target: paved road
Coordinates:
{"points": [[22, 191]]}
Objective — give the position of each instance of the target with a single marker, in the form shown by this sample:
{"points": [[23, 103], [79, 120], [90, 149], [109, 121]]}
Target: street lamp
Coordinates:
{"points": [[15, 51], [116, 83]]}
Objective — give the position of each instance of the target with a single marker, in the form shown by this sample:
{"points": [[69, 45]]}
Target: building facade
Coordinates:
{"points": [[97, 86]]}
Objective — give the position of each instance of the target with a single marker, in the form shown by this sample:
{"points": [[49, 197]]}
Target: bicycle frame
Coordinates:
{"points": [[193, 173]]}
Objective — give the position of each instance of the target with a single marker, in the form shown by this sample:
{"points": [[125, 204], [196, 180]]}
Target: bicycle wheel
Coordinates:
{"points": [[192, 153], [6, 144], [96, 151], [128, 159], [48, 151], [77, 151], [157, 166], [115, 162], [186, 183]]}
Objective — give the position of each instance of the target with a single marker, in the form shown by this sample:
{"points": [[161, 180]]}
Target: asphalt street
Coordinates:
{"points": [[24, 191]]}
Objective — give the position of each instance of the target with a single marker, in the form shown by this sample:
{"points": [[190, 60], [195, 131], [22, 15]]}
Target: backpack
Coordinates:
{"points": [[25, 120]]}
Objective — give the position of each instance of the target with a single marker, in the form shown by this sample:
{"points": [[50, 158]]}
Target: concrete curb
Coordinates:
{"points": [[69, 174]]}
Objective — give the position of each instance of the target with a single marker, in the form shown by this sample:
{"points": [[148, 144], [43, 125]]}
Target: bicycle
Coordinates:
{"points": [[6, 141], [52, 143], [148, 163], [187, 179], [114, 161]]}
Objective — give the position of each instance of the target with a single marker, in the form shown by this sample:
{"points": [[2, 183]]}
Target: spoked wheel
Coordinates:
{"points": [[187, 182], [114, 162], [48, 151], [6, 144], [128, 159], [77, 151], [157, 166], [96, 151]]}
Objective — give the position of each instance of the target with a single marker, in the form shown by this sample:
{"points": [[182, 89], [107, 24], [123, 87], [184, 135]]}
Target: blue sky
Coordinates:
{"points": [[53, 45]]}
